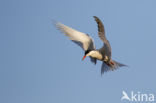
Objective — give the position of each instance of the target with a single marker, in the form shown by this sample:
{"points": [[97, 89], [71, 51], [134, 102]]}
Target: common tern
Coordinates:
{"points": [[103, 54]]}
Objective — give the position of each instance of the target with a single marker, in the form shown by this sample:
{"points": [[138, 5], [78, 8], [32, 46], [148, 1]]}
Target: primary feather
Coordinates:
{"points": [[101, 33], [82, 39]]}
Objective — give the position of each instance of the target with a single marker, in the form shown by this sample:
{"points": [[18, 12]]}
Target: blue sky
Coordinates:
{"points": [[40, 65]]}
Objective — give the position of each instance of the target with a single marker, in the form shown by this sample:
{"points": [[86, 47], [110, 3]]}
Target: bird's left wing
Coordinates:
{"points": [[101, 32], [82, 39]]}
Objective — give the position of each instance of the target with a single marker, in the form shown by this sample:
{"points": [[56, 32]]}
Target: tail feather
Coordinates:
{"points": [[117, 64], [112, 66]]}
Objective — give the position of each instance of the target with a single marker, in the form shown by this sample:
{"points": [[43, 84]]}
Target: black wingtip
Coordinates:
{"points": [[95, 17]]}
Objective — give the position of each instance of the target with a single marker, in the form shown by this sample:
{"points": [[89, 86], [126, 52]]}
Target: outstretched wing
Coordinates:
{"points": [[82, 39], [101, 32]]}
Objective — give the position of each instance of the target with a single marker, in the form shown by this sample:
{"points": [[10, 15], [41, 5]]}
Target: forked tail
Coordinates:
{"points": [[112, 65]]}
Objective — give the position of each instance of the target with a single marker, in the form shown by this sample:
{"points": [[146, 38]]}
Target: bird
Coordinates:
{"points": [[86, 42]]}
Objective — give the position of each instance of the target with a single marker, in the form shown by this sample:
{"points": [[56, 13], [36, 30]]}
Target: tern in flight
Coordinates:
{"points": [[103, 54]]}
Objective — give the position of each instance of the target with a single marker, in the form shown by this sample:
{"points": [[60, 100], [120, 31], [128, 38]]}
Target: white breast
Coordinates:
{"points": [[95, 54]]}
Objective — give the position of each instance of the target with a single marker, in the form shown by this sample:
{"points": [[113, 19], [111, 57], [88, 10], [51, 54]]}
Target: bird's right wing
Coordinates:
{"points": [[82, 39]]}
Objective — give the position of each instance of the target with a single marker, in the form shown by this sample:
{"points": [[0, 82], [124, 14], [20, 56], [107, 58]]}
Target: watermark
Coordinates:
{"points": [[137, 96]]}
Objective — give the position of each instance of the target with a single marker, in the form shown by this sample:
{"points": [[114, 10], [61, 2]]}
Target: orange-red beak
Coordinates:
{"points": [[84, 57]]}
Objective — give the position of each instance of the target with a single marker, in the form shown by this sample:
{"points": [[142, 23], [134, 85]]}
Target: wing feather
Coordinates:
{"points": [[82, 39], [106, 49]]}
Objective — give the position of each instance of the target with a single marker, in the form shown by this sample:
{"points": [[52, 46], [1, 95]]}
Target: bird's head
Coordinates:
{"points": [[90, 53]]}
